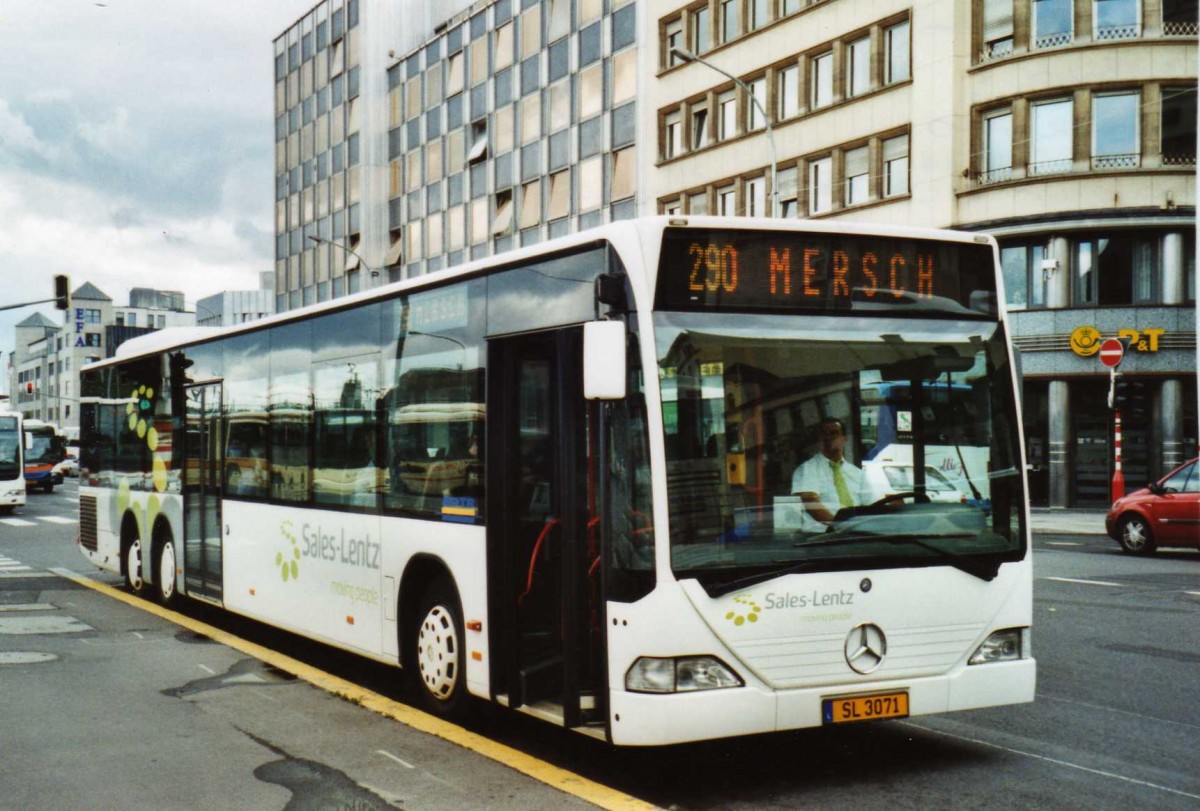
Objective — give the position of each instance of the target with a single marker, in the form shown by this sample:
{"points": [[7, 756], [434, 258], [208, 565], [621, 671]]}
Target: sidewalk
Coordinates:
{"points": [[1062, 521]]}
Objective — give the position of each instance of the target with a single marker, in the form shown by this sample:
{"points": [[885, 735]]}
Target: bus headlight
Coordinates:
{"points": [[680, 674], [1002, 646]]}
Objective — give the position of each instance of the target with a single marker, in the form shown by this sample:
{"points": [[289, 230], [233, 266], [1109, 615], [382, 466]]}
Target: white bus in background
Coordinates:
{"points": [[12, 461], [560, 479]]}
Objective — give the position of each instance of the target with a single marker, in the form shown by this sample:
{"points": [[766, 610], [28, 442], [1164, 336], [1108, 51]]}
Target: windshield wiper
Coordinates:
{"points": [[721, 589], [983, 569]]}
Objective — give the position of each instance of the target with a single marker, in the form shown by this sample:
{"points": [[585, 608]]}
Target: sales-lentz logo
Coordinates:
{"points": [[747, 611], [288, 559]]}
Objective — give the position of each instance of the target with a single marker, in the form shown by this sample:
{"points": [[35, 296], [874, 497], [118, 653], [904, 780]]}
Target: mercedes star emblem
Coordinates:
{"points": [[865, 648]]}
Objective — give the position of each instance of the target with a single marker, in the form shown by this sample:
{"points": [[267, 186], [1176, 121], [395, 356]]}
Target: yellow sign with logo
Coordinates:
{"points": [[1085, 341]]}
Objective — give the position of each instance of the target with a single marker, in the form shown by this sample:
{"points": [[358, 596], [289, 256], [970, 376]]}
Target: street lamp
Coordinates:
{"points": [[687, 56], [351, 251]]}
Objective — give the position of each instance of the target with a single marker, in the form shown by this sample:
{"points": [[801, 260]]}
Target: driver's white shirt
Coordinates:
{"points": [[816, 476]]}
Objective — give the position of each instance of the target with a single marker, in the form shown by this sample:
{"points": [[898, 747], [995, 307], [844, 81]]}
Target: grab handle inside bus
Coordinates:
{"points": [[604, 360]]}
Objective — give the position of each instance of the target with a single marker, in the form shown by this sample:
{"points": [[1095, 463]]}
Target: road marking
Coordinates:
{"points": [[15, 567], [1063, 543], [18, 522], [28, 607], [1055, 761], [554, 776], [404, 763], [24, 575], [1083, 582], [207, 670], [57, 519]]}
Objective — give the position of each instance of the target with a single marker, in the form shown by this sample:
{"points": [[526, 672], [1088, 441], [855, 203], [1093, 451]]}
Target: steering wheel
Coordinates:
{"points": [[918, 498]]}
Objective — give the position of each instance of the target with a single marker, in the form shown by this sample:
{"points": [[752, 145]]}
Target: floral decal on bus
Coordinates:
{"points": [[751, 610], [140, 409], [289, 568]]}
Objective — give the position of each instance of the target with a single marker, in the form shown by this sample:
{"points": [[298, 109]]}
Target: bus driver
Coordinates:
{"points": [[828, 481]]}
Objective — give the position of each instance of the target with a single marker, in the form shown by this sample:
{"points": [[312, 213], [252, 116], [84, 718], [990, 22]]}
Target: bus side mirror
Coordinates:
{"points": [[604, 360]]}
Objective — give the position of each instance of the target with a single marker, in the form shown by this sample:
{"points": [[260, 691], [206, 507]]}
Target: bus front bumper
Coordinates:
{"points": [[644, 719]]}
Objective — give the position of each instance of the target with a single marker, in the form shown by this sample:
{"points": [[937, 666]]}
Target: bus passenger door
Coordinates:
{"points": [[202, 491], [542, 540]]}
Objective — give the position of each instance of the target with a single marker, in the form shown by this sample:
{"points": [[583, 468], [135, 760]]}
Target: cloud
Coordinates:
{"points": [[114, 136], [18, 139]]}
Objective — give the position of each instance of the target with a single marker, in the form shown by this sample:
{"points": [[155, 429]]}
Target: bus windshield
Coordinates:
{"points": [[815, 446], [10, 446]]}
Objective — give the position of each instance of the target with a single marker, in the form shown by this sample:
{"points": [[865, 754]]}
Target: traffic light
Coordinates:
{"points": [[62, 291], [29, 387], [1131, 397]]}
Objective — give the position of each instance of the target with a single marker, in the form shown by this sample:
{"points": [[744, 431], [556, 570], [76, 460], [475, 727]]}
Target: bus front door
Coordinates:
{"points": [[202, 491], [542, 539]]}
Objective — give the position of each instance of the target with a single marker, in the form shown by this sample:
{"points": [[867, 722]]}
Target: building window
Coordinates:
{"points": [[672, 135], [997, 28], [1024, 280], [698, 203], [120, 319], [730, 25], [997, 147], [1115, 270], [672, 39], [699, 127], [756, 197], [727, 201], [1051, 139], [1053, 22], [1179, 126], [820, 186], [789, 92], [1179, 18], [822, 80], [787, 7], [755, 113], [89, 339], [1117, 19], [131, 320], [858, 67], [560, 195], [91, 316], [727, 123], [786, 192], [857, 175], [701, 33], [760, 13], [1115, 130], [895, 41], [895, 166], [624, 174], [502, 223], [531, 204]]}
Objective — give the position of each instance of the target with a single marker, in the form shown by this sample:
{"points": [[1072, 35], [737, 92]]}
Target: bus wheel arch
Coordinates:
{"points": [[432, 635], [164, 562], [131, 554]]}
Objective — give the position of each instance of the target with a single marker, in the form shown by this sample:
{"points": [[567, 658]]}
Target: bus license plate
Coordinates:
{"points": [[865, 708]]}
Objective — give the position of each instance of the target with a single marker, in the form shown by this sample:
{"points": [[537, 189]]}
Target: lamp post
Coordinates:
{"points": [[687, 56], [322, 240]]}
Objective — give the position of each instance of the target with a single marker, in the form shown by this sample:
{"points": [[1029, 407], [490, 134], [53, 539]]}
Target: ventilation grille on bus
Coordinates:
{"points": [[87, 522]]}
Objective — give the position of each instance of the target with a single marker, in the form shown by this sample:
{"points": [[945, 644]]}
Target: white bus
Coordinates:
{"points": [[12, 461], [572, 470]]}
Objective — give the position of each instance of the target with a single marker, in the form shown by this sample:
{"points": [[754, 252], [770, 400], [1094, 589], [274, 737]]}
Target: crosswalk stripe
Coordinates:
{"points": [[18, 522], [57, 519]]}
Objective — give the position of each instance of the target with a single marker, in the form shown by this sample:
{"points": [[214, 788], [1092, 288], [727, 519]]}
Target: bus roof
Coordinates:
{"points": [[642, 236]]}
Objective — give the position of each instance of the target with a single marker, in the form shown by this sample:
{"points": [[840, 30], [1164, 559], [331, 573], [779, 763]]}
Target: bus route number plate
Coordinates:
{"points": [[848, 709]]}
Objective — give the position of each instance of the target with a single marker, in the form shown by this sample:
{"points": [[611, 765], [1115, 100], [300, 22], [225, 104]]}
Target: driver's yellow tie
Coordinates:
{"points": [[839, 483]]}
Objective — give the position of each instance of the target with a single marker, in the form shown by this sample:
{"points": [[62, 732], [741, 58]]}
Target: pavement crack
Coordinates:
{"points": [[314, 785]]}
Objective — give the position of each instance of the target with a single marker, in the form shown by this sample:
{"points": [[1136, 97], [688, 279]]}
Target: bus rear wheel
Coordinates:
{"points": [[133, 567], [438, 653], [164, 573]]}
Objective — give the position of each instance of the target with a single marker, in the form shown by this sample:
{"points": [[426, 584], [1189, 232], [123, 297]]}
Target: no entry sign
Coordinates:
{"points": [[1111, 352]]}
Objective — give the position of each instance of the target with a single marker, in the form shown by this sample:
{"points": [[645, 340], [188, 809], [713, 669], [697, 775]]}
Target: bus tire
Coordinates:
{"points": [[164, 570], [133, 566], [438, 654]]}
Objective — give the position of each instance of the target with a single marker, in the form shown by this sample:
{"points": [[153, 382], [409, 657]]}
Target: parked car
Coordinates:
{"points": [[1163, 513], [67, 467]]}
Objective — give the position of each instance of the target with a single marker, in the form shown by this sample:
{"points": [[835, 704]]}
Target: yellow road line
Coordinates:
{"points": [[565, 781]]}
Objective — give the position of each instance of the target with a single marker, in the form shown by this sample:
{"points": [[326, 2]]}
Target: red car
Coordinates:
{"points": [[1164, 513]]}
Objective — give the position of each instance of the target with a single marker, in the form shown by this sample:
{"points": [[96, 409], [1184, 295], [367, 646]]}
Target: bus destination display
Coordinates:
{"points": [[735, 270]]}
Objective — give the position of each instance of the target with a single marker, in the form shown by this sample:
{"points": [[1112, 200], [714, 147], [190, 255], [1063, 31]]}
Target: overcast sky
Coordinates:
{"points": [[136, 146]]}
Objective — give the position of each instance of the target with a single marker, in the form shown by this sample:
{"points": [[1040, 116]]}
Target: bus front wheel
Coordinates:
{"points": [[438, 651]]}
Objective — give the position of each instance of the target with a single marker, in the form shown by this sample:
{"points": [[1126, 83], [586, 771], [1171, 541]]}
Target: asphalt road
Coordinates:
{"points": [[135, 711]]}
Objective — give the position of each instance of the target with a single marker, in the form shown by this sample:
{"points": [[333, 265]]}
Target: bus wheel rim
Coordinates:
{"points": [[133, 564], [166, 571], [437, 653]]}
